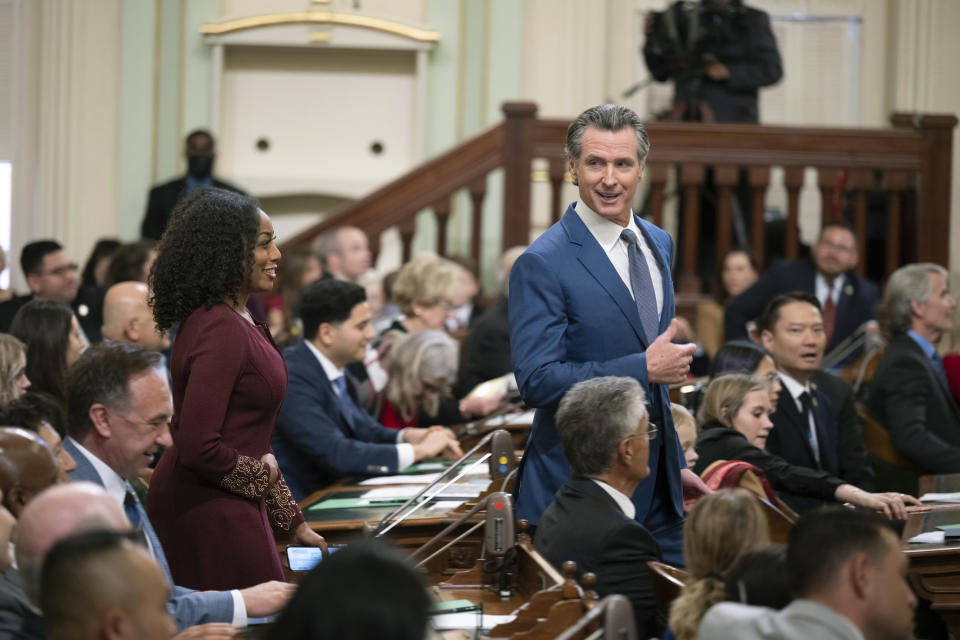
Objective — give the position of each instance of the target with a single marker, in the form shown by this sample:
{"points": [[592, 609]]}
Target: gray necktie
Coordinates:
{"points": [[642, 286]]}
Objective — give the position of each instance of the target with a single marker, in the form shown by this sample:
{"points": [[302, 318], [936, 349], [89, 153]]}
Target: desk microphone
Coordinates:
{"points": [[499, 533]]}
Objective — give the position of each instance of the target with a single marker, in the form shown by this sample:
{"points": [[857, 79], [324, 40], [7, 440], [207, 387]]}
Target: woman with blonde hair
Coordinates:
{"points": [[735, 421], [426, 289], [720, 528], [13, 369]]}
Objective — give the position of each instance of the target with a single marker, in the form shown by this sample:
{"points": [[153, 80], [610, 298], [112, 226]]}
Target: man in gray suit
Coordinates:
{"points": [[119, 414], [850, 577]]}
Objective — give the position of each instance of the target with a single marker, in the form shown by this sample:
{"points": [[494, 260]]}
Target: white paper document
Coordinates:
{"points": [[940, 497]]}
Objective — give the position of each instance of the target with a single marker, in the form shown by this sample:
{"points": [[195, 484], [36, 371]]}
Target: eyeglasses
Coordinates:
{"points": [[62, 270], [771, 377], [649, 434], [837, 247]]}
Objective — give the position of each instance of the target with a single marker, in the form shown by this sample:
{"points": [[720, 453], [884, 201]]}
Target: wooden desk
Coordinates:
{"points": [[934, 569], [940, 483], [339, 526]]}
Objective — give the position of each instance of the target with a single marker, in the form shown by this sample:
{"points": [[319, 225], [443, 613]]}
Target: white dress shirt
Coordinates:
{"points": [[405, 455], [607, 234], [116, 487], [795, 388], [822, 290], [623, 501]]}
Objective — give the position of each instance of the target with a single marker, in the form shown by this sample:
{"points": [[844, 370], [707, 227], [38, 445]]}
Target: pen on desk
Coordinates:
{"points": [[471, 608]]}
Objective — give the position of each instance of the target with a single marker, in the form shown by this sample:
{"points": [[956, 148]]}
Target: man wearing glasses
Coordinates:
{"points": [[52, 276], [605, 432], [847, 300]]}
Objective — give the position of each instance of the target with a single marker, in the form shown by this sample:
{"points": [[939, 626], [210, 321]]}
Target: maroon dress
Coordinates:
{"points": [[209, 497]]}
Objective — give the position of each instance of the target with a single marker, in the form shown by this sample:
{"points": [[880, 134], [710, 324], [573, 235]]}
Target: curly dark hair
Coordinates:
{"points": [[204, 256]]}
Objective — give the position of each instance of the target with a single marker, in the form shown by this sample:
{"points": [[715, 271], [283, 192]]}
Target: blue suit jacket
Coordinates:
{"points": [[790, 439], [188, 607], [314, 443], [857, 303], [571, 319]]}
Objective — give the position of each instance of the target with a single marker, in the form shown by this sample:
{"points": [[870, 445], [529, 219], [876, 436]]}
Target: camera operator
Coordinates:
{"points": [[718, 53]]}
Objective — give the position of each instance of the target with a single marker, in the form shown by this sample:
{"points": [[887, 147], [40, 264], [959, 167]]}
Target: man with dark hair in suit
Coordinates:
{"points": [[909, 395], [848, 573], [52, 276], [119, 410], [322, 433], [811, 428], [847, 300], [605, 433], [199, 149], [591, 297]]}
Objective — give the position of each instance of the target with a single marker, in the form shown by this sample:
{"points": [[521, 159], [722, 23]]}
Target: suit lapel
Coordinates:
{"points": [[319, 381], [826, 431], [592, 256]]}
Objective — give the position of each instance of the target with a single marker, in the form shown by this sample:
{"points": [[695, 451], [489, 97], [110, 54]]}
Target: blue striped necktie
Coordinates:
{"points": [[642, 286]]}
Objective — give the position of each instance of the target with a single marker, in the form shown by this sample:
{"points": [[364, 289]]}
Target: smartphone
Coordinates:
{"points": [[305, 558]]}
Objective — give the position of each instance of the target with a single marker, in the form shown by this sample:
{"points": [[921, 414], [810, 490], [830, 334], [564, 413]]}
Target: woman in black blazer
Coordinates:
{"points": [[735, 423]]}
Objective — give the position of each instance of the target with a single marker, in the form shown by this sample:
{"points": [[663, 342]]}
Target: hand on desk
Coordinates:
{"points": [[433, 442], [473, 407], [211, 631], [668, 363], [267, 598], [892, 505]]}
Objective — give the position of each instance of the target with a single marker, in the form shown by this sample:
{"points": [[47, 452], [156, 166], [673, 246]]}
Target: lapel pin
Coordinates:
{"points": [[848, 289]]}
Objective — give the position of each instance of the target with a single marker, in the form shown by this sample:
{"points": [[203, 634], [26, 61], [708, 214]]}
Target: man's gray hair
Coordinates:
{"points": [[594, 416], [607, 117], [908, 284]]}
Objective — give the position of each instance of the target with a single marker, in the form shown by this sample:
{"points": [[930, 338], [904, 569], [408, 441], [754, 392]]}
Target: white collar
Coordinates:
{"points": [[623, 501], [606, 232], [328, 367], [794, 386], [115, 485]]}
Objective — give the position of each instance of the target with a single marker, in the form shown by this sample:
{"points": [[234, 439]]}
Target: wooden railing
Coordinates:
{"points": [[911, 158]]}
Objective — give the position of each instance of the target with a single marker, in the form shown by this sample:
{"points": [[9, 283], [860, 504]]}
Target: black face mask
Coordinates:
{"points": [[200, 167]]}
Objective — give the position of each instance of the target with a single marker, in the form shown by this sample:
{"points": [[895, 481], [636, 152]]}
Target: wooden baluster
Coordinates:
{"points": [[895, 184], [518, 134], [441, 210], [759, 180], [793, 181], [691, 177], [726, 177], [658, 174], [407, 228], [557, 170], [861, 181], [478, 191], [828, 180]]}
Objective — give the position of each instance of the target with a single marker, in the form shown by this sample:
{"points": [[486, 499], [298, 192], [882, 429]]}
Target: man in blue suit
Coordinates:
{"points": [[119, 417], [593, 297], [322, 433], [846, 299]]}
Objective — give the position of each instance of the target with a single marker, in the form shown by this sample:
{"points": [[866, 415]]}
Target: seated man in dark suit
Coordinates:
{"points": [[322, 434], [604, 430], [52, 276], [199, 150], [909, 394], [811, 427], [119, 417], [847, 300]]}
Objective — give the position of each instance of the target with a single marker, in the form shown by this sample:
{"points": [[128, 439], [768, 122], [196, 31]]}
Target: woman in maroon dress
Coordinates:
{"points": [[217, 495]]}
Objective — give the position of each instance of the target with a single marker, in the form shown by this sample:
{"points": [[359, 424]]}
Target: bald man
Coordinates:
{"points": [[128, 318], [27, 467], [100, 584]]}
